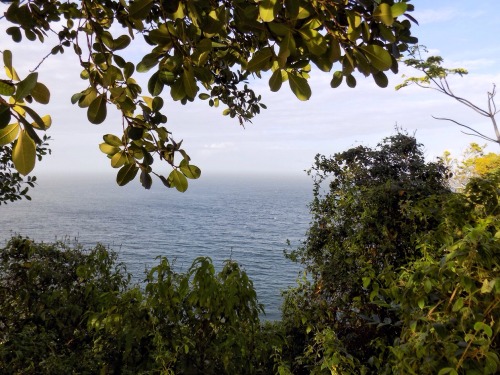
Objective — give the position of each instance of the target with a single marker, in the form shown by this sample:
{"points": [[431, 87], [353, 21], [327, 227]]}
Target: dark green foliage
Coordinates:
{"points": [[359, 231], [46, 292], [64, 310], [449, 299]]}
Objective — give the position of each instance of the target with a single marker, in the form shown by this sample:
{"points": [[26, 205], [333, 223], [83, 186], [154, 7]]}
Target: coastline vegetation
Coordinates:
{"points": [[402, 279]]}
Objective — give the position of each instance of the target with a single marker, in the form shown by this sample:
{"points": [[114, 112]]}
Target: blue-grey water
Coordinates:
{"points": [[248, 219]]}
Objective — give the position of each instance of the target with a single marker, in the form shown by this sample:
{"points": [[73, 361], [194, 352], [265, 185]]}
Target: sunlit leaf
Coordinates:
{"points": [[299, 86], [398, 9], [9, 133], [383, 13], [6, 88], [261, 60], [41, 93], [178, 180], [378, 56], [25, 87], [24, 153], [267, 10], [189, 170]]}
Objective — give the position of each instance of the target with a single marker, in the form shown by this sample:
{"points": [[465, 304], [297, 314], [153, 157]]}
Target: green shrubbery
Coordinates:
{"points": [[64, 310], [402, 278]]}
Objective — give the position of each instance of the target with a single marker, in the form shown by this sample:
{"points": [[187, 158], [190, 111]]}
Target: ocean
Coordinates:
{"points": [[244, 218]]}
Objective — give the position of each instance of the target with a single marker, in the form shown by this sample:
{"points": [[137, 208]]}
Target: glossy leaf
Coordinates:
{"points": [[24, 153], [9, 133], [261, 60], [25, 87], [41, 93], [398, 9], [189, 170], [112, 140], [383, 13], [337, 79], [381, 79], [108, 149], [5, 116], [267, 10], [378, 56], [126, 174], [178, 180], [140, 9], [97, 112], [276, 80], [299, 86], [9, 69], [119, 159], [6, 88]]}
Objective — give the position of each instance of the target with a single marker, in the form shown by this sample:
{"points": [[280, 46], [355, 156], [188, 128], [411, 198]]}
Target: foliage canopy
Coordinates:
{"points": [[197, 49]]}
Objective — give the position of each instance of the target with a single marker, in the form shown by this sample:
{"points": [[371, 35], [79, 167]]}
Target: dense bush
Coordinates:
{"points": [[402, 277], [65, 310], [358, 230]]}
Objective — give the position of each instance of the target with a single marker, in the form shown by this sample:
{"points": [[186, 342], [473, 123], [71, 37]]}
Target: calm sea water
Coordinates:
{"points": [[248, 219]]}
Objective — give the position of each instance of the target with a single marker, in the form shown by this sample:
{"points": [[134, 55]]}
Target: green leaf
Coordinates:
{"points": [[398, 9], [299, 86], [379, 58], [366, 282], [39, 123], [189, 170], [276, 80], [121, 42], [487, 286], [15, 33], [421, 303], [6, 88], [112, 140], [97, 112], [25, 87], [9, 134], [381, 79], [24, 153], [448, 370], [119, 159], [146, 180], [5, 116], [155, 84], [383, 13], [268, 10], [41, 93], [178, 180], [351, 81], [480, 326], [140, 9], [148, 61], [337, 79], [261, 60], [126, 174], [189, 83], [108, 149]]}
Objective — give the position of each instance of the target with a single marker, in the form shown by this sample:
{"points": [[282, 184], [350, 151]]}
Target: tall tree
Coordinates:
{"points": [[198, 49], [361, 228]]}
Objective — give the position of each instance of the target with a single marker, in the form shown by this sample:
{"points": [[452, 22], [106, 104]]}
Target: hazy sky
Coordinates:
{"points": [[286, 136]]}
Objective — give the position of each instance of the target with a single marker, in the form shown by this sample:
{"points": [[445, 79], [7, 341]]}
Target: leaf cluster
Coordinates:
{"points": [[198, 49]]}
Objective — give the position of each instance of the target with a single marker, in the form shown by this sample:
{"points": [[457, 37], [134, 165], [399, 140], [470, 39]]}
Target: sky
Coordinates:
{"points": [[285, 138]]}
